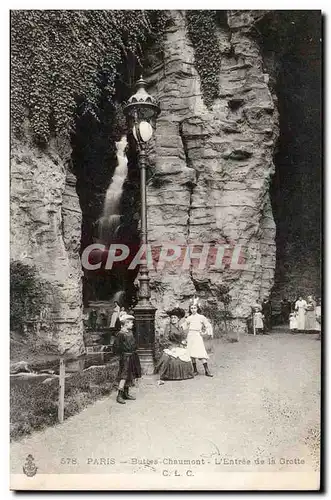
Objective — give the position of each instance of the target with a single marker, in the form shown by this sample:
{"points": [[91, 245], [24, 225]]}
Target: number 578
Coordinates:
{"points": [[68, 461]]}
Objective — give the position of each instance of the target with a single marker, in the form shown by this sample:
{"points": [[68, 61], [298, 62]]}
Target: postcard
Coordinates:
{"points": [[165, 267]]}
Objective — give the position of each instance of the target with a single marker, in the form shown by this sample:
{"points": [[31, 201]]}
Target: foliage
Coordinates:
{"points": [[201, 27], [220, 315], [34, 405], [223, 295], [58, 56], [27, 293]]}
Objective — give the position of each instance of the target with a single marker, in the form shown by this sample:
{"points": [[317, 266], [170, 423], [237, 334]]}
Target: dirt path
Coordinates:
{"points": [[262, 403]]}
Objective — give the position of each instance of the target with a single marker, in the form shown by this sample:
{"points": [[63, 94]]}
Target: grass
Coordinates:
{"points": [[34, 405]]}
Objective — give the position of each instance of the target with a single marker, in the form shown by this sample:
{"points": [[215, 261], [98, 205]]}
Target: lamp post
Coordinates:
{"points": [[141, 111]]}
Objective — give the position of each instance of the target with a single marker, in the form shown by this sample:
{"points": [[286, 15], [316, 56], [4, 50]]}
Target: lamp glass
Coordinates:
{"points": [[145, 129]]}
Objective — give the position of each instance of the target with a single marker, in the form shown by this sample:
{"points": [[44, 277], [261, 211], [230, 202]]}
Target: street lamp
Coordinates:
{"points": [[141, 111]]}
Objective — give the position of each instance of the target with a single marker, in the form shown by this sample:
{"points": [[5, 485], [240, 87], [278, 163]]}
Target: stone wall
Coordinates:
{"points": [[45, 232], [212, 168]]}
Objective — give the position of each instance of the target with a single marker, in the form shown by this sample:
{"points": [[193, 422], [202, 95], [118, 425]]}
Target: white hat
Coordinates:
{"points": [[126, 317]]}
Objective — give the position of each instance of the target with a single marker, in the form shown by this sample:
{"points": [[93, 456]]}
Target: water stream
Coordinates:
{"points": [[110, 220]]}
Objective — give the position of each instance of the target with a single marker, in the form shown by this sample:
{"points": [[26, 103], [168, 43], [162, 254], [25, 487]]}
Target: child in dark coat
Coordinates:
{"points": [[129, 368]]}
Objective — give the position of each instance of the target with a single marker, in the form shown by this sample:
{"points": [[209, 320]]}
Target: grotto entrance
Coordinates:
{"points": [[292, 53], [108, 190]]}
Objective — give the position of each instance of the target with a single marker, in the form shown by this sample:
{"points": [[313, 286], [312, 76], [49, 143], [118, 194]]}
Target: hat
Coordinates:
{"points": [[177, 311], [125, 317], [195, 302]]}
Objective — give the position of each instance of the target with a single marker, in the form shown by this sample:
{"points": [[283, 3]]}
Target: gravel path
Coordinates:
{"points": [[262, 404]]}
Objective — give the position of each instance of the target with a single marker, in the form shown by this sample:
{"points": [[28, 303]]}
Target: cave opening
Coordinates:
{"points": [[291, 43], [94, 158]]}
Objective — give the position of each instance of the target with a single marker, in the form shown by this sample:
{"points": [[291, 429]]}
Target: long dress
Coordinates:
{"points": [[300, 306], [258, 320], [310, 319], [196, 324], [175, 362], [267, 313], [129, 367]]}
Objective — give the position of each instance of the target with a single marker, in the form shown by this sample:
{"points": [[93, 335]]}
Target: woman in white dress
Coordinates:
{"points": [[300, 306], [115, 315], [197, 325]]}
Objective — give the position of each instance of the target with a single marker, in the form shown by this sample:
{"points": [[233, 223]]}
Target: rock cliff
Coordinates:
{"points": [[45, 232], [212, 168]]}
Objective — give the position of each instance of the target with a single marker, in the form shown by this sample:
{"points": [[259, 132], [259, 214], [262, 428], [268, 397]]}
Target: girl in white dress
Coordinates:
{"points": [[197, 324], [293, 321], [258, 321]]}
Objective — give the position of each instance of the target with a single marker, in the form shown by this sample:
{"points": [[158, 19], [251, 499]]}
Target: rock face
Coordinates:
{"points": [[212, 170], [209, 186], [45, 232]]}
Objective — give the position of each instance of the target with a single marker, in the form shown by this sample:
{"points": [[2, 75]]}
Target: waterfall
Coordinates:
{"points": [[111, 218]]}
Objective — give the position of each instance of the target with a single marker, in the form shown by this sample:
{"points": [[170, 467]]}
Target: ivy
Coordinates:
{"points": [[201, 27], [58, 56]]}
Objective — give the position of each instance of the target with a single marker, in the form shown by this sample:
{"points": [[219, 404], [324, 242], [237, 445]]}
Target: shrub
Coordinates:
{"points": [[219, 313], [27, 294], [34, 405]]}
